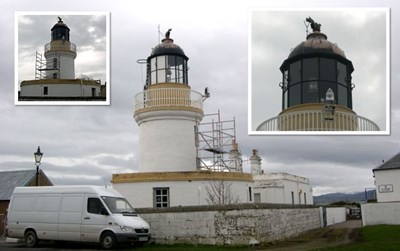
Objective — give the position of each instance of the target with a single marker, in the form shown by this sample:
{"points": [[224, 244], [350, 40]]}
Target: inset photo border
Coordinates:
{"points": [[278, 104], [62, 58]]}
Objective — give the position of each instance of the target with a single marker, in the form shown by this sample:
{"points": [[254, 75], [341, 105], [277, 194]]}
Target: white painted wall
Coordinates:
{"points": [[380, 213], [59, 90], [167, 140], [335, 215], [182, 193], [231, 227], [387, 185], [66, 64], [278, 188]]}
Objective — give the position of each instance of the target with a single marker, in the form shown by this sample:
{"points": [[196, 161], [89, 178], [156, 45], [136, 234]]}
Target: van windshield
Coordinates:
{"points": [[118, 205]]}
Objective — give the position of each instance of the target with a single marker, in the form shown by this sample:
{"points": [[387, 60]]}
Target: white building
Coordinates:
{"points": [[279, 188], [56, 76], [168, 114], [387, 180], [282, 188]]}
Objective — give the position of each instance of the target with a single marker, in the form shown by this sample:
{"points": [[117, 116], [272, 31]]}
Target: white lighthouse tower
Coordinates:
{"points": [[167, 111], [60, 53]]}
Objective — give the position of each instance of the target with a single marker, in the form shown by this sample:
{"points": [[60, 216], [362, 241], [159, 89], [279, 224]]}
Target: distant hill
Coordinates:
{"points": [[330, 198]]}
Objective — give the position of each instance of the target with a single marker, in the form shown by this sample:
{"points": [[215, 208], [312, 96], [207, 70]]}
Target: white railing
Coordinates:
{"points": [[317, 121], [169, 97]]}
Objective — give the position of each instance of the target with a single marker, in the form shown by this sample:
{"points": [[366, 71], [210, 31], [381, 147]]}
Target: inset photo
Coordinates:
{"points": [[319, 71], [62, 58]]}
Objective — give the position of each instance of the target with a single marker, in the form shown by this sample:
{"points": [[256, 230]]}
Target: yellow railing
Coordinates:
{"points": [[317, 121], [168, 97]]}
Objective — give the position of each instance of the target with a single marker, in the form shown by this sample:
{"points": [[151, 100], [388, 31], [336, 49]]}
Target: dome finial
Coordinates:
{"points": [[316, 27], [59, 19], [167, 34]]}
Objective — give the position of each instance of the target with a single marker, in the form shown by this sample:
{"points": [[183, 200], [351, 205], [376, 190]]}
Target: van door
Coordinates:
{"points": [[94, 218], [70, 218]]}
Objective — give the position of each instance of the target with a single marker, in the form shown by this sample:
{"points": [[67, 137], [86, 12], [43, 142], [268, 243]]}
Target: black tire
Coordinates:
{"points": [[108, 241], [31, 239]]}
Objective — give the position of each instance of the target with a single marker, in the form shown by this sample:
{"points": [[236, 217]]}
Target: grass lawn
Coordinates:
{"points": [[380, 237]]}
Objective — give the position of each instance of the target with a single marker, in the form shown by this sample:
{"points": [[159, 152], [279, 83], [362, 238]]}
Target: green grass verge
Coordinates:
{"points": [[380, 237]]}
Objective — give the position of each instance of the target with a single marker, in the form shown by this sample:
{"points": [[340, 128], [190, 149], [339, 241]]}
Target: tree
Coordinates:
{"points": [[220, 193]]}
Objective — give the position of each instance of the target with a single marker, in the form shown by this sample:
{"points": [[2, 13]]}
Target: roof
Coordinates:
{"points": [[316, 43], [60, 24], [168, 47], [393, 163], [75, 189], [11, 179]]}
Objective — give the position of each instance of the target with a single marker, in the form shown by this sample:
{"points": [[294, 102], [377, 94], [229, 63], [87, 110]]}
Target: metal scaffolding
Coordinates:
{"points": [[42, 65], [216, 145]]}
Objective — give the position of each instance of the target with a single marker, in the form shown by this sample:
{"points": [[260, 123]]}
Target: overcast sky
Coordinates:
{"points": [[87, 32], [275, 33], [86, 144]]}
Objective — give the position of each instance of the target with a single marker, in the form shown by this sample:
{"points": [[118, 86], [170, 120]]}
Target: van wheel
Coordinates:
{"points": [[30, 239], [108, 241]]}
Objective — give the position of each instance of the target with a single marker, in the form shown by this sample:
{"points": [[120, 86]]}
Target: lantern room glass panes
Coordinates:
{"points": [[295, 95], [168, 69], [342, 73], [60, 33], [295, 75], [310, 69], [310, 78], [342, 96], [328, 69], [310, 92]]}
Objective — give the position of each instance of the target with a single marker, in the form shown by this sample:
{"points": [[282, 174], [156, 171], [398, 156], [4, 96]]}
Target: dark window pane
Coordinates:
{"points": [[294, 73], [295, 95], [342, 96], [328, 69], [342, 74], [310, 92], [310, 69], [94, 205]]}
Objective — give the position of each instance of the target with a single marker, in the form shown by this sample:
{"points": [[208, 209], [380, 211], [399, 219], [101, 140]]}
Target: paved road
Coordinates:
{"points": [[48, 246]]}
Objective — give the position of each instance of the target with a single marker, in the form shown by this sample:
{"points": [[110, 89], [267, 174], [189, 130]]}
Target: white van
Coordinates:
{"points": [[74, 213]]}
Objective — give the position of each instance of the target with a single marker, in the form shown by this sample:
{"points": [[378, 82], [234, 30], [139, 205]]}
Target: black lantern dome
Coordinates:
{"points": [[167, 63], [312, 68], [60, 31]]}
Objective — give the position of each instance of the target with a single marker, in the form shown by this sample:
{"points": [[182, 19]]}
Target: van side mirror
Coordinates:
{"points": [[103, 211]]}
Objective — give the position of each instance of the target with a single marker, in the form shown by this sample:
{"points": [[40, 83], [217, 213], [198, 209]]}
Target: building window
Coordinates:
{"points": [[292, 198], [45, 90], [250, 195], [93, 92], [55, 66], [54, 75], [161, 197]]}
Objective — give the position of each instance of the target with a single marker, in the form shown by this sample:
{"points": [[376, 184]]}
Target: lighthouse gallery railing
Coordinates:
{"points": [[315, 121], [168, 97]]}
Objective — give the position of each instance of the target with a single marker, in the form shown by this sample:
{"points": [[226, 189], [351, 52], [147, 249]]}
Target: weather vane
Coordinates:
{"points": [[316, 27]]}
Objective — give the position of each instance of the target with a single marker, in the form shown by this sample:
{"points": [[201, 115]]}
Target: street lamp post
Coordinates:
{"points": [[38, 157]]}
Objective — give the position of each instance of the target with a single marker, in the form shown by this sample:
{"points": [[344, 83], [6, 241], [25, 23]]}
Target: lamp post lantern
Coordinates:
{"points": [[38, 157]]}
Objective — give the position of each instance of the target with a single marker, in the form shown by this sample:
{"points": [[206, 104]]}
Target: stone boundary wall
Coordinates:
{"points": [[231, 225], [380, 213]]}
